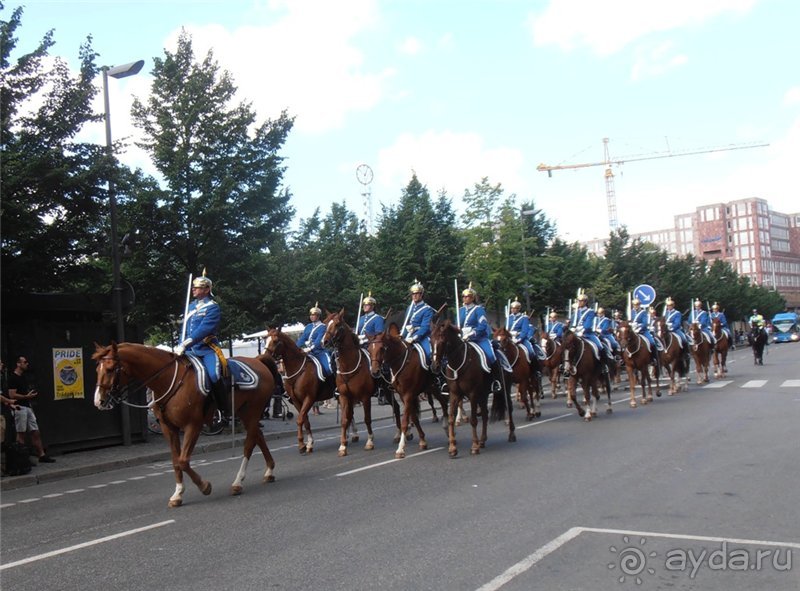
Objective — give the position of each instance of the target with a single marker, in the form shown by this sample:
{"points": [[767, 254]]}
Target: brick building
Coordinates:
{"points": [[759, 243]]}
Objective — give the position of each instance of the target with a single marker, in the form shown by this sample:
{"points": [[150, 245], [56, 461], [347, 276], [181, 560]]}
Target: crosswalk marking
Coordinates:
{"points": [[720, 384], [754, 384], [791, 384]]}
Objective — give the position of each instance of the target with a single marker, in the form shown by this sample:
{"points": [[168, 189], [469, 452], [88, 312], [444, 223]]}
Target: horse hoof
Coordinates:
{"points": [[453, 453], [633, 405], [512, 438], [175, 503], [342, 453], [435, 420], [309, 450], [529, 417], [474, 451], [399, 455], [569, 405], [236, 491], [609, 411], [409, 436], [302, 450], [594, 413], [423, 445], [369, 446], [354, 439], [587, 418], [206, 489], [537, 414]]}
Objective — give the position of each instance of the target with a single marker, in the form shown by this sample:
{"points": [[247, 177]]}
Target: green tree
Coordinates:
{"points": [[221, 205], [54, 200]]}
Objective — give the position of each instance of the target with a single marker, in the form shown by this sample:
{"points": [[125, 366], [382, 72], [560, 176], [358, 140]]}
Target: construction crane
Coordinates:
{"points": [[611, 197]]}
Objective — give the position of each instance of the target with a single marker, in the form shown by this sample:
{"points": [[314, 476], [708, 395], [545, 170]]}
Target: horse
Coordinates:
{"points": [[701, 351], [580, 365], [467, 379], [720, 348], [673, 358], [524, 373], [354, 382], [302, 383], [757, 338], [554, 354], [409, 377], [180, 406], [636, 356]]}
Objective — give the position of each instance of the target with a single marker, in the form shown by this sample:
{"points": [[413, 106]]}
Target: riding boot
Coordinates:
{"points": [[222, 393], [441, 383]]}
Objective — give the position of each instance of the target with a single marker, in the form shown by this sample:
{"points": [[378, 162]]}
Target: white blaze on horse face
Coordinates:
{"points": [[268, 342], [98, 400]]}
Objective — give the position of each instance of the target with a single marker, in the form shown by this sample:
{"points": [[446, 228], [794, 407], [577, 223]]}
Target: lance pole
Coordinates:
{"points": [[186, 308], [458, 317], [358, 316]]}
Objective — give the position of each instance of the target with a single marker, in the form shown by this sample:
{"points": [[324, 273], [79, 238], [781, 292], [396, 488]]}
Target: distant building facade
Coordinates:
{"points": [[759, 243]]}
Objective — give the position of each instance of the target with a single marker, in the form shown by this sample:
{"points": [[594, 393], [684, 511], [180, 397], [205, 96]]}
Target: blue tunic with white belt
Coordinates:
{"points": [[474, 317]]}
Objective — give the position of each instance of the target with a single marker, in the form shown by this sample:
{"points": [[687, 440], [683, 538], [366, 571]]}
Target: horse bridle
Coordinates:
{"points": [[384, 348], [117, 394], [574, 366]]}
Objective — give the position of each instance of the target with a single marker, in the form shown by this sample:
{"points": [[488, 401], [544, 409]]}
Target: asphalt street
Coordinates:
{"points": [[694, 491]]}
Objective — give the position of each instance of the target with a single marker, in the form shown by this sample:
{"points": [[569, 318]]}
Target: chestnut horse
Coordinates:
{"points": [[525, 374], [301, 382], [409, 377], [180, 406], [720, 349], [354, 381], [701, 351], [636, 355], [554, 352], [581, 366], [674, 358], [466, 379], [757, 337]]}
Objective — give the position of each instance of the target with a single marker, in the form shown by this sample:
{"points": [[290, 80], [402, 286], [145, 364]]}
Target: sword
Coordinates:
{"points": [[360, 303], [186, 308], [458, 317]]}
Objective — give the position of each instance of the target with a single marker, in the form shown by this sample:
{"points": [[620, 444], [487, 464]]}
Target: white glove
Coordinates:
{"points": [[636, 328], [517, 340], [409, 339], [467, 332], [579, 331], [409, 329], [362, 339], [181, 349], [308, 349], [515, 333]]}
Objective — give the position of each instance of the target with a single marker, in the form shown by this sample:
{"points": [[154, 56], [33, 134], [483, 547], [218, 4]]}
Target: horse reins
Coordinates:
{"points": [[118, 394]]}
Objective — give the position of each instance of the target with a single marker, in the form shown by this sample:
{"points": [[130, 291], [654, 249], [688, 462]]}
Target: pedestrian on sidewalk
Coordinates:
{"points": [[22, 393]]}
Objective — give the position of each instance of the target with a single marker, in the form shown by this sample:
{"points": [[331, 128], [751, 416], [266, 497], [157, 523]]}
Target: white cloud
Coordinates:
{"points": [[450, 161], [606, 27], [304, 61], [653, 62], [792, 96], [411, 46]]}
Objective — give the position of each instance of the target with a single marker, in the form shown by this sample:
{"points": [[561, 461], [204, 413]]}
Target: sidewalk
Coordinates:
{"points": [[81, 463]]}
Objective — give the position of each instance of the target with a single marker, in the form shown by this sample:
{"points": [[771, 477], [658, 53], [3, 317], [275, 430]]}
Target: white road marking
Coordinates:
{"points": [[98, 486], [7, 505], [572, 533], [33, 500], [719, 384], [753, 384], [379, 464], [137, 477], [84, 545], [53, 496], [791, 384], [74, 490]]}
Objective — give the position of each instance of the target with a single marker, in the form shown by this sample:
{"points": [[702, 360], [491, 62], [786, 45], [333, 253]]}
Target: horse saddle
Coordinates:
{"points": [[595, 350], [423, 359], [501, 357], [242, 376], [318, 366]]}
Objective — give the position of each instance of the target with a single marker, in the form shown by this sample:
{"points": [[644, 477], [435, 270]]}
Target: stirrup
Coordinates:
{"points": [[497, 387]]}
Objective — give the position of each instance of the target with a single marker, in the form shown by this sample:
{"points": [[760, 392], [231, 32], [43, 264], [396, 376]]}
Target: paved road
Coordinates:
{"points": [[669, 493]]}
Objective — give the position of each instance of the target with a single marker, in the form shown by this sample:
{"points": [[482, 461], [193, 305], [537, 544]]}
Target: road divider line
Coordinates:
{"points": [[392, 461], [85, 545], [753, 384]]}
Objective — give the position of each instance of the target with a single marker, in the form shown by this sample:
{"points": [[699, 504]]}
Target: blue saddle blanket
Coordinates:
{"points": [[242, 376]]}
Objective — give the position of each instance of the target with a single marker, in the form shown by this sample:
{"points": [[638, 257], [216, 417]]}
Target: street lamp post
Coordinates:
{"points": [[523, 213], [116, 293]]}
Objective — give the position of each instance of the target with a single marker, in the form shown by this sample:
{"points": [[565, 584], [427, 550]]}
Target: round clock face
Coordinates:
{"points": [[364, 174]]}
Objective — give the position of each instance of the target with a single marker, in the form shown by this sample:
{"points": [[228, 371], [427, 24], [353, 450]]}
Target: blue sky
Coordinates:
{"points": [[456, 90]]}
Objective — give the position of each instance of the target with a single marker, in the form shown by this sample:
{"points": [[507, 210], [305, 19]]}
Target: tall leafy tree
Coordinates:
{"points": [[221, 205], [54, 200]]}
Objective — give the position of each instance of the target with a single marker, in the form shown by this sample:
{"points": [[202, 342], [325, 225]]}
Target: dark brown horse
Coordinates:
{"points": [[636, 356], [354, 381], [581, 366], [409, 377], [180, 406], [554, 355], [301, 382], [674, 358], [701, 351], [757, 337], [525, 374], [720, 349], [467, 380]]}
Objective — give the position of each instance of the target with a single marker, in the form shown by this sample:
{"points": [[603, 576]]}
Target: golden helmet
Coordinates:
{"points": [[636, 302], [202, 281], [315, 310], [669, 301], [416, 287], [715, 306], [698, 304], [601, 311], [469, 291], [370, 300], [553, 315], [516, 304], [617, 314], [582, 297]]}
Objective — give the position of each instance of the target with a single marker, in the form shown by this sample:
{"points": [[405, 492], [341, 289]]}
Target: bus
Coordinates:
{"points": [[785, 328]]}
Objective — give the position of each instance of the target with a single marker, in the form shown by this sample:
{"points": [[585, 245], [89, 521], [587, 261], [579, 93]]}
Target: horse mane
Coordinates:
{"points": [[272, 366]]}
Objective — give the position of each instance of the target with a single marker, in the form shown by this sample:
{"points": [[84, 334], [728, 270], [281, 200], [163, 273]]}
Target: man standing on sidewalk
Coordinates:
{"points": [[24, 419]]}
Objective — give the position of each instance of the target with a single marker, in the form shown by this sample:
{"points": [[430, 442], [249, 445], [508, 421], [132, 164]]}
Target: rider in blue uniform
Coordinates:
{"points": [[311, 340], [417, 327], [475, 329], [604, 328], [715, 313], [583, 324], [521, 329], [554, 327], [702, 318], [640, 324], [199, 329], [370, 323], [674, 321]]}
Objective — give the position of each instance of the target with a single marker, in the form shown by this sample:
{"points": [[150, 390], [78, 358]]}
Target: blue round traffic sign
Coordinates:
{"points": [[645, 294]]}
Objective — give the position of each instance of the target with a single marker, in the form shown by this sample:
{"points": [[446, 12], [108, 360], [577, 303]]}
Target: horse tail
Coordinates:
{"points": [[500, 404]]}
